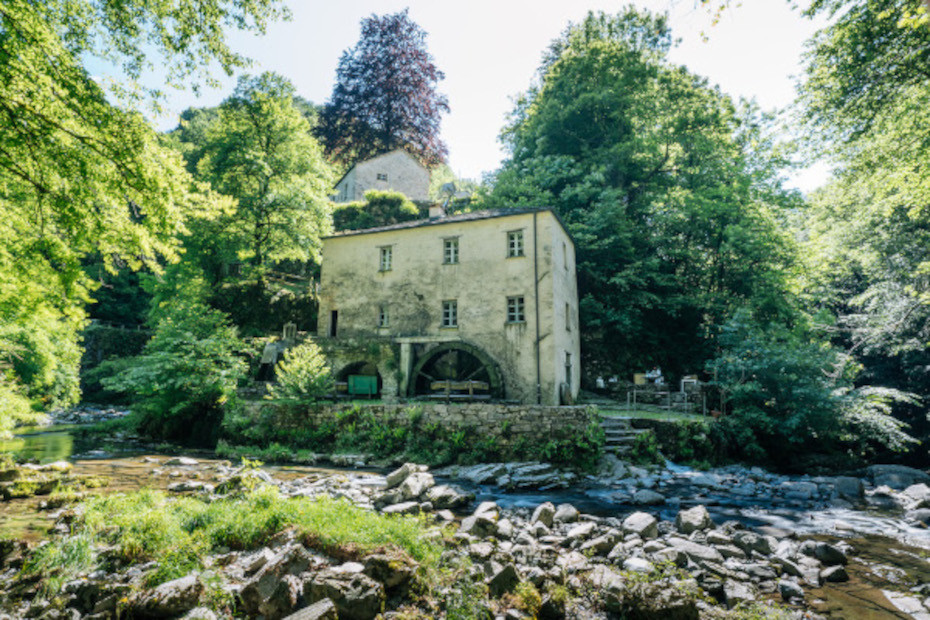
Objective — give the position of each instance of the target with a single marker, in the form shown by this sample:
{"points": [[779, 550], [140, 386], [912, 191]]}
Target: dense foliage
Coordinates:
{"points": [[385, 95], [185, 375], [80, 175], [380, 208], [675, 217]]}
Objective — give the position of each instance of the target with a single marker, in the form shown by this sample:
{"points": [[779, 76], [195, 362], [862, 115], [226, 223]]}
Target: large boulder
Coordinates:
{"points": [[565, 513], [415, 485], [896, 476], [274, 590], [696, 552], [503, 580], [355, 595], [170, 599], [647, 497], [544, 513], [642, 524], [443, 496], [693, 520]]}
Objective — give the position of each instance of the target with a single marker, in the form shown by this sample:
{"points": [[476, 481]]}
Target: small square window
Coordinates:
{"points": [[382, 176], [450, 313], [383, 318], [515, 243], [450, 251], [387, 258], [515, 310]]}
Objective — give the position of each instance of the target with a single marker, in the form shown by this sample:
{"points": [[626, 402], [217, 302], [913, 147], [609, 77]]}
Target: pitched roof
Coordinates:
{"points": [[379, 155], [453, 219]]}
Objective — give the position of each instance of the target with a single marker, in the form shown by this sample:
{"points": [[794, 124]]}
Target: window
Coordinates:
{"points": [[450, 251], [382, 176], [515, 243], [450, 313], [383, 318], [565, 255], [387, 256], [515, 313], [333, 323], [568, 318]]}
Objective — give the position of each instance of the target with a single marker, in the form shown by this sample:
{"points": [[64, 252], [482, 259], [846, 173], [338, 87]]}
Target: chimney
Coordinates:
{"points": [[436, 212]]}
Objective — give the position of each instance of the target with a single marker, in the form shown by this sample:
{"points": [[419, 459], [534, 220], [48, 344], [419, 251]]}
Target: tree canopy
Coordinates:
{"points": [[385, 95], [675, 221], [80, 175]]}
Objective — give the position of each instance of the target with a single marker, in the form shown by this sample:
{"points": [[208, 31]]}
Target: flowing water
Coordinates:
{"points": [[889, 554]]}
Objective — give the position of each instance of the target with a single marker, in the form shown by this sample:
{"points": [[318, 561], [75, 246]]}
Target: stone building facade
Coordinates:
{"points": [[397, 171], [488, 298]]}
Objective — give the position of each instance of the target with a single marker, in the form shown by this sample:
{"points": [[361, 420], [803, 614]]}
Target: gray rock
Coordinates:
{"points": [[834, 574], [695, 551], [600, 545], [321, 610], [610, 584], [392, 571], [565, 513], [171, 598], [544, 514], [645, 497], [829, 554], [355, 595], [181, 461], [443, 496], [896, 476], [736, 593], [504, 529], [200, 613], [187, 486], [693, 520], [580, 532], [400, 474], [750, 541], [848, 488], [480, 525], [415, 485], [268, 593], [790, 590], [638, 565], [642, 524], [503, 580], [489, 510], [403, 508]]}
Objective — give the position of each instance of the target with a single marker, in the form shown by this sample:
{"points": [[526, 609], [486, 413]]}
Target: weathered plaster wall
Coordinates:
{"points": [[413, 290], [404, 174]]}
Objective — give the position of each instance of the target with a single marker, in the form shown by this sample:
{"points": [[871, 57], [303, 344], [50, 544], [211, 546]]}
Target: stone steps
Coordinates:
{"points": [[619, 435]]}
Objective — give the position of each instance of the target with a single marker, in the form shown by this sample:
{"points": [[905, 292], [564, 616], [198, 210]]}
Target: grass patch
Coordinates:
{"points": [[178, 532], [645, 413]]}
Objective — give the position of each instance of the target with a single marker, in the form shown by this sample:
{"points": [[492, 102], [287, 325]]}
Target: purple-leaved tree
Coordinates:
{"points": [[385, 95]]}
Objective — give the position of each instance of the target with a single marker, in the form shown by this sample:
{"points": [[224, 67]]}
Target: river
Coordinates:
{"points": [[889, 553]]}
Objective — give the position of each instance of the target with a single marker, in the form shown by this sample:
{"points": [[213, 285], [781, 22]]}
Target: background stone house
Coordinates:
{"points": [[485, 299], [397, 170]]}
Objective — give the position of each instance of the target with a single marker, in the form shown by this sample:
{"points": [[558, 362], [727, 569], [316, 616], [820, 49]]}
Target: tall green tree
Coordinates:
{"points": [[259, 151], [80, 175], [676, 220]]}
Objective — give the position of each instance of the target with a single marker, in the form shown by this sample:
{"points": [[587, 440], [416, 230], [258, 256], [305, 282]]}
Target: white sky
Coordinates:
{"points": [[489, 51]]}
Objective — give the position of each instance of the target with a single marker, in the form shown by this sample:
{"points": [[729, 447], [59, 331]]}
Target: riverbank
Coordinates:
{"points": [[595, 562]]}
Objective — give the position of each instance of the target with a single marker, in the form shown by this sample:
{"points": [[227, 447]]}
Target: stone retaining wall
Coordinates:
{"points": [[490, 420]]}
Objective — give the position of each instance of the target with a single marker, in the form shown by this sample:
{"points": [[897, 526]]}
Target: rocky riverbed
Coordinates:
{"points": [[668, 558]]}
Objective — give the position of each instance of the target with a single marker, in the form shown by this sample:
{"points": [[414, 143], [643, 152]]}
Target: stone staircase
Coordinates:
{"points": [[619, 435]]}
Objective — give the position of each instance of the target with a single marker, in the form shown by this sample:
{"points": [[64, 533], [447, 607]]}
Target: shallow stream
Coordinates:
{"points": [[889, 555]]}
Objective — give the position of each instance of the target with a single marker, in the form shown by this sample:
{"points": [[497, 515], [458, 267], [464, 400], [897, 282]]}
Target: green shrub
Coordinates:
{"points": [[303, 374], [187, 372], [645, 448]]}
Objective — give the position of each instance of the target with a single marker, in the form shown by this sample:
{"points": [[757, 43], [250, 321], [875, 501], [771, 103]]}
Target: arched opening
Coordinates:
{"points": [[456, 370], [359, 379]]}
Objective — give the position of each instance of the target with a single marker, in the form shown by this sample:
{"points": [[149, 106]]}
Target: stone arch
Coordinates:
{"points": [[471, 362], [361, 367]]}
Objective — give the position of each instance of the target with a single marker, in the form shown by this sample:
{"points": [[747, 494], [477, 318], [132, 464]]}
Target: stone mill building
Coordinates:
{"points": [[480, 305]]}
